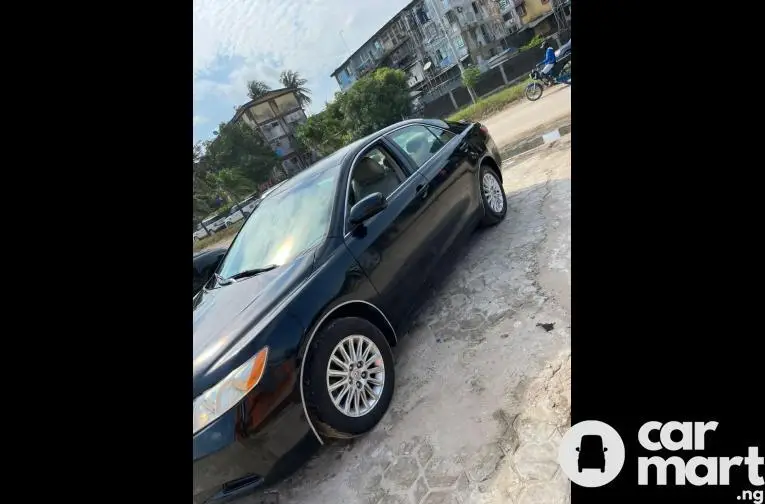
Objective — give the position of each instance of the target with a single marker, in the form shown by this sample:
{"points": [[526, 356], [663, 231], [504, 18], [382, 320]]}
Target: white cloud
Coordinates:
{"points": [[265, 37], [198, 119]]}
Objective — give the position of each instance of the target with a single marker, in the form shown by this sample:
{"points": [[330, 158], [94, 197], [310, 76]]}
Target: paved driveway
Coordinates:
{"points": [[482, 386]]}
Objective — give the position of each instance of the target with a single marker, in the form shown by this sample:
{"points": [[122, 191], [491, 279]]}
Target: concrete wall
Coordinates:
{"points": [[516, 67], [534, 9]]}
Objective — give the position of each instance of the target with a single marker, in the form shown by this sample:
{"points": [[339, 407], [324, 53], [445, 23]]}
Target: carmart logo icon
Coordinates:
{"points": [[591, 453]]}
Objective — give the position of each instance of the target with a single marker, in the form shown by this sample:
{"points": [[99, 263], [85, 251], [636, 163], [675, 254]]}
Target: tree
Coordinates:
{"points": [[325, 132], [292, 79], [470, 78], [376, 100], [230, 183], [256, 89], [237, 145]]}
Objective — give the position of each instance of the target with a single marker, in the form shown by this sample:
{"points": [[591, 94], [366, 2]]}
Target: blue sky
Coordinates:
{"points": [[240, 40]]}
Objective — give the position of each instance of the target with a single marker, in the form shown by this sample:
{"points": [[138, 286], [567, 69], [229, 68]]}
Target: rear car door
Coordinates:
{"points": [[390, 247], [443, 159]]}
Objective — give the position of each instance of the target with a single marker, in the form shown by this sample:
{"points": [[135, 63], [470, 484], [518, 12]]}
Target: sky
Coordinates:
{"points": [[240, 40]]}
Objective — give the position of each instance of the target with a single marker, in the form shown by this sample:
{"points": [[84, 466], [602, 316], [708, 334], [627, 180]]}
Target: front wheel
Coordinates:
{"points": [[348, 377], [493, 196], [533, 91]]}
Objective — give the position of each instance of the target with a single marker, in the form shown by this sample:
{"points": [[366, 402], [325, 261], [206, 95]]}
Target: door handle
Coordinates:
{"points": [[422, 190]]}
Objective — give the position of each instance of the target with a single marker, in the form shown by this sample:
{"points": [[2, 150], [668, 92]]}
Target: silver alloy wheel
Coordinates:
{"points": [[493, 192], [355, 375]]}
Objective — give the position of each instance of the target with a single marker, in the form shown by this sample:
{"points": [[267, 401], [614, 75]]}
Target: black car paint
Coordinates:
{"points": [[356, 271], [204, 263]]}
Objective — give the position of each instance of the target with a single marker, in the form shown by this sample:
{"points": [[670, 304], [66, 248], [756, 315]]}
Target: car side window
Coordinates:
{"points": [[418, 142], [443, 135], [375, 171]]}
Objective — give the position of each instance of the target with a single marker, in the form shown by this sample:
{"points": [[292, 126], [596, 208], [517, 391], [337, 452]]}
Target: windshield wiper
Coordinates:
{"points": [[245, 274]]}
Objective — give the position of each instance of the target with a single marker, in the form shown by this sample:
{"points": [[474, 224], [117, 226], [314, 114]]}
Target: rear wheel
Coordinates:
{"points": [[348, 377], [533, 91], [493, 196]]}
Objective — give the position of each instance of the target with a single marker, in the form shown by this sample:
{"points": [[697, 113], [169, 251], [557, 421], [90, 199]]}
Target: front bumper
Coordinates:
{"points": [[254, 444]]}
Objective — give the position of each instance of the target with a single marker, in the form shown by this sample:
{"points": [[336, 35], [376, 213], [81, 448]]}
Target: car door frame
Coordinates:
{"points": [[404, 163]]}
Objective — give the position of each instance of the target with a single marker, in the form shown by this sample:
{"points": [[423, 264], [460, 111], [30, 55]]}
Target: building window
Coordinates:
{"points": [[486, 34], [521, 10]]}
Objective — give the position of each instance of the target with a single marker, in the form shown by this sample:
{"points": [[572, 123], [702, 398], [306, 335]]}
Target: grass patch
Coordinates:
{"points": [[489, 105], [209, 241]]}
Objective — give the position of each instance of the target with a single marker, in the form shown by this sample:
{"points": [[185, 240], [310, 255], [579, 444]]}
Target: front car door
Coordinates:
{"points": [[391, 246]]}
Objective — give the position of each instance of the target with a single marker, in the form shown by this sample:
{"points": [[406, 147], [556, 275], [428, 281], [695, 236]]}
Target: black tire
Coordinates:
{"points": [[532, 90], [490, 216], [328, 419]]}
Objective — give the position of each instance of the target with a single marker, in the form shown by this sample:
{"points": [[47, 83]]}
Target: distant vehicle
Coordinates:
{"points": [[213, 223], [563, 50], [592, 453], [234, 216]]}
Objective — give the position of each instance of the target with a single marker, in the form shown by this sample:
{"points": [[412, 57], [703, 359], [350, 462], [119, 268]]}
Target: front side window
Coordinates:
{"points": [[374, 172], [284, 225], [418, 142]]}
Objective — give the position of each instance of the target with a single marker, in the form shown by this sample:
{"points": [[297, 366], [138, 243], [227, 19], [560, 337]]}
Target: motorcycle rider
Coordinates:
{"points": [[548, 64]]}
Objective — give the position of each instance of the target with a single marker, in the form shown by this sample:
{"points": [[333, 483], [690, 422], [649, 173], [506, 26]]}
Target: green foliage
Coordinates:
{"points": [[375, 101], [470, 77], [531, 44], [256, 89], [324, 132], [292, 79], [229, 167], [378, 99], [237, 146], [490, 104]]}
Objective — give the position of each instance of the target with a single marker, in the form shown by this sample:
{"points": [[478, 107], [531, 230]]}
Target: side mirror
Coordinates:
{"points": [[367, 208], [605, 449], [577, 448]]}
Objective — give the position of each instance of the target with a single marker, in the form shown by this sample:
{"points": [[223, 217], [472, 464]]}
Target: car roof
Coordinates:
{"points": [[343, 155]]}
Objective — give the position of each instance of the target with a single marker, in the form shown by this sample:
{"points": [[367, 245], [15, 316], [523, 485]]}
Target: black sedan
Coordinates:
{"points": [[293, 332]]}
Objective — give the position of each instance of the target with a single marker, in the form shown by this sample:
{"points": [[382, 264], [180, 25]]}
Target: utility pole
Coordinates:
{"points": [[344, 43], [447, 34]]}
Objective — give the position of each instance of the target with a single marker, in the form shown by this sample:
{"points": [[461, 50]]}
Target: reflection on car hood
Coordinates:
{"points": [[222, 316]]}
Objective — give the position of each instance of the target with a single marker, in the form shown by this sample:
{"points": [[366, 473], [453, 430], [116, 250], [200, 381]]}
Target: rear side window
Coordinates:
{"points": [[443, 135], [419, 142]]}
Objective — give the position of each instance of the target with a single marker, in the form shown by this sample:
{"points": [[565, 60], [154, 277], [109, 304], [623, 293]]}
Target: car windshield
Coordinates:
{"points": [[284, 225]]}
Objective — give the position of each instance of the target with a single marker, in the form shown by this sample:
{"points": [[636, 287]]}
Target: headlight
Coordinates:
{"points": [[229, 391]]}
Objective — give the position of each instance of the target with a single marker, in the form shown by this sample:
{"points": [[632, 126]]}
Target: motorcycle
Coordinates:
{"points": [[534, 90]]}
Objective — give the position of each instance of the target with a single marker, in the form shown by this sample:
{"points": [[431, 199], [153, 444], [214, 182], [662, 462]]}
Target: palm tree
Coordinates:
{"points": [[256, 89], [292, 79]]}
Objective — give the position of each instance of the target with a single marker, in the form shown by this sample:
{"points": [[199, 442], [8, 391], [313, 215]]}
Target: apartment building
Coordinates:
{"points": [[417, 40], [275, 116]]}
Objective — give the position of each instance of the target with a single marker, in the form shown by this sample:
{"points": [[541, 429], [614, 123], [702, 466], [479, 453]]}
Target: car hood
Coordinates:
{"points": [[224, 315]]}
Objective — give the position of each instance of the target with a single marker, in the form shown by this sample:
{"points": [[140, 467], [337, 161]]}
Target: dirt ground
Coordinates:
{"points": [[483, 375]]}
